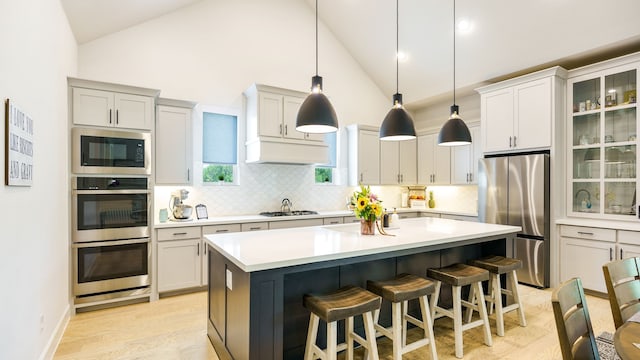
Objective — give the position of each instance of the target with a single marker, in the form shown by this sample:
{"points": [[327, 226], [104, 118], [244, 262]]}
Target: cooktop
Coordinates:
{"points": [[290, 213]]}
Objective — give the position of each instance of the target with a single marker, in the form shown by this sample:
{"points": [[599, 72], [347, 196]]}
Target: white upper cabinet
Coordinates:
{"points": [[364, 155], [174, 142], [112, 105], [273, 111], [434, 161], [398, 162], [464, 159], [519, 114]]}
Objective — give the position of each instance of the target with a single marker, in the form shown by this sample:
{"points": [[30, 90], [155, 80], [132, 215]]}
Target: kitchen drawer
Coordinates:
{"points": [[629, 237], [217, 229], [333, 220], [459, 217], [408, 215], [430, 214], [350, 219], [589, 233], [186, 232], [255, 226], [294, 223]]}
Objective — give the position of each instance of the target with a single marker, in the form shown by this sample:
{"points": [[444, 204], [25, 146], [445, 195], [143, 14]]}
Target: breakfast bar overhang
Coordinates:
{"points": [[257, 279]]}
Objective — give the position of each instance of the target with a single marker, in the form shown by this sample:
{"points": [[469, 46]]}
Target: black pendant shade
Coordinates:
{"points": [[454, 132], [398, 124], [316, 115]]}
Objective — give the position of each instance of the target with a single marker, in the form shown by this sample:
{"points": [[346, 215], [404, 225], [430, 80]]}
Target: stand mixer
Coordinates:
{"points": [[180, 211]]}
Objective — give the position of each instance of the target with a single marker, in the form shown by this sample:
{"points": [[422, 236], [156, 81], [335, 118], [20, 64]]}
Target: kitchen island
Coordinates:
{"points": [[257, 279]]}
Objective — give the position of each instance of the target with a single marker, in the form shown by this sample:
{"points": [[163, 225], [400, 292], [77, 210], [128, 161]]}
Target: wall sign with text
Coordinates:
{"points": [[19, 146]]}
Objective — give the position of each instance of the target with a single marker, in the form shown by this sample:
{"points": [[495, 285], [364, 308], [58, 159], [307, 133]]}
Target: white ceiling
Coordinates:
{"points": [[509, 36]]}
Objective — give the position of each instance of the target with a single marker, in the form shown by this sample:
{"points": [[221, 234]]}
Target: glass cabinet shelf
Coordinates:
{"points": [[603, 143]]}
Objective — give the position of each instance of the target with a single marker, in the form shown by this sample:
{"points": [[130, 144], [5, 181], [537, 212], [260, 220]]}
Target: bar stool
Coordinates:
{"points": [[344, 303], [459, 275], [498, 265], [399, 291]]}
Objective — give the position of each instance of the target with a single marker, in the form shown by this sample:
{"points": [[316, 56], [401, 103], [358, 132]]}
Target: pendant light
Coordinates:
{"points": [[316, 115], [454, 132], [398, 124]]}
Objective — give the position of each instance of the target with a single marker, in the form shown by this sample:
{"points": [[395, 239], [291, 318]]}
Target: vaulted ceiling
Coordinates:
{"points": [[507, 37]]}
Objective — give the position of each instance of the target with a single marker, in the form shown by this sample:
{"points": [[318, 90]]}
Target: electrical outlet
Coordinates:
{"points": [[229, 279]]}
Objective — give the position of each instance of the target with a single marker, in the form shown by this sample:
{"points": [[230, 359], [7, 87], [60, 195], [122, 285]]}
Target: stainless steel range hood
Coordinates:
{"points": [[276, 151]]}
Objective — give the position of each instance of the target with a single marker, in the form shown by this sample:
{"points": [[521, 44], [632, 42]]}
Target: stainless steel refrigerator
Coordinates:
{"points": [[514, 190]]}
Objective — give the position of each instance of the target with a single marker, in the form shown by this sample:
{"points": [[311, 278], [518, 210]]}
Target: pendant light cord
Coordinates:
{"points": [[316, 37], [454, 52], [397, 48]]}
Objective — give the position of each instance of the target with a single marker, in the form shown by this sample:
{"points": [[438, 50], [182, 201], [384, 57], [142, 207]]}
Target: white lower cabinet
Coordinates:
{"points": [[180, 258], [583, 251]]}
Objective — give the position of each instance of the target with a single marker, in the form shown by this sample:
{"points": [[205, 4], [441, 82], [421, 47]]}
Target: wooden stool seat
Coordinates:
{"points": [[344, 303], [401, 288], [498, 265], [459, 275], [399, 291]]}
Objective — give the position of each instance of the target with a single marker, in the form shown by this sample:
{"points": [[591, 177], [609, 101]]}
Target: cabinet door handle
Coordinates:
{"points": [[280, 129], [221, 230], [109, 116], [198, 251], [509, 141], [585, 233], [334, 222], [515, 142], [285, 129], [360, 177], [188, 174], [471, 176], [610, 254], [254, 228], [621, 254], [180, 233], [205, 249], [401, 178], [116, 116]]}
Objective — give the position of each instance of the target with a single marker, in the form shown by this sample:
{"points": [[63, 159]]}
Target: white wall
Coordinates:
{"points": [[212, 51], [38, 52]]}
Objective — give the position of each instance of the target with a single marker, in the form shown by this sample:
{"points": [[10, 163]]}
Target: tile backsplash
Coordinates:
{"points": [[263, 186]]}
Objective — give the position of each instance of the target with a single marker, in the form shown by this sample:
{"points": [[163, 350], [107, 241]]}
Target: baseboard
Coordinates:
{"points": [[56, 336]]}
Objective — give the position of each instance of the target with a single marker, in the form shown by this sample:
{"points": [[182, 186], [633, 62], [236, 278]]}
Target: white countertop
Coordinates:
{"points": [[237, 219], [270, 249]]}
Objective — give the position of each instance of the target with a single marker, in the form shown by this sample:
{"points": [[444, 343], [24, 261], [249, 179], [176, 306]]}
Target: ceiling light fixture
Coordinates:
{"points": [[316, 115], [454, 132], [398, 124]]}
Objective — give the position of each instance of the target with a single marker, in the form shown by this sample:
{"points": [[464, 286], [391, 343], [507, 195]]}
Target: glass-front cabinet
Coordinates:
{"points": [[602, 136]]}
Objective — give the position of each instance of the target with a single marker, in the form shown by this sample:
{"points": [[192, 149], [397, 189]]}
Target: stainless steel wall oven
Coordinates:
{"points": [[111, 250]]}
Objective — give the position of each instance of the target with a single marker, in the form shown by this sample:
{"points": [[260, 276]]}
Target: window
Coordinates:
{"points": [[219, 148], [324, 174]]}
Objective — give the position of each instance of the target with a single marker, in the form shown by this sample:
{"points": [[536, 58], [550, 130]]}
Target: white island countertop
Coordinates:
{"points": [[271, 249]]}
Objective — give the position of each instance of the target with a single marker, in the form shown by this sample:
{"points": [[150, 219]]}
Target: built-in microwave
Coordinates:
{"points": [[98, 151]]}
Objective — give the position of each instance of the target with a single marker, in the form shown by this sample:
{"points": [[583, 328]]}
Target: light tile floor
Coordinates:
{"points": [[175, 328]]}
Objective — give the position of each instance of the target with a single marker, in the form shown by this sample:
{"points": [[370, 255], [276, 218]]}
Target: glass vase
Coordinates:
{"points": [[367, 227]]}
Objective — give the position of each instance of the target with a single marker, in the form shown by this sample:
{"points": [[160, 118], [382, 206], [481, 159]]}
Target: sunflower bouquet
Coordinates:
{"points": [[367, 204]]}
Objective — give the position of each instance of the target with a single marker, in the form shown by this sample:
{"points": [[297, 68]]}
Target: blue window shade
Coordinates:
{"points": [[219, 138], [330, 139]]}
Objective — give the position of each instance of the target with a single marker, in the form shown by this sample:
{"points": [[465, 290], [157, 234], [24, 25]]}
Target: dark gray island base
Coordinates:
{"points": [[259, 314]]}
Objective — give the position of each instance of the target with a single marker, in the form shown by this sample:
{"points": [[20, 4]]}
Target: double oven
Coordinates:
{"points": [[110, 207]]}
